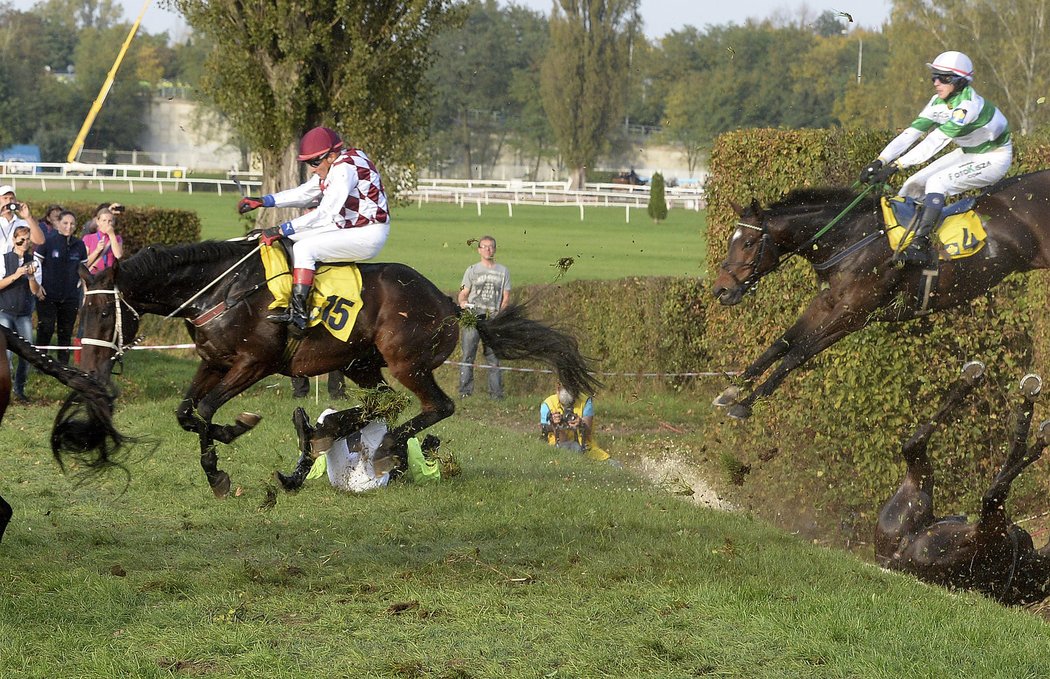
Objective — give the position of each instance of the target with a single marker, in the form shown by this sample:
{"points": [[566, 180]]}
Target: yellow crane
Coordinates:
{"points": [[107, 85]]}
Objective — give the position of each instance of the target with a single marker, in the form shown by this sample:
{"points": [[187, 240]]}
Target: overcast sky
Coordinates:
{"points": [[660, 16]]}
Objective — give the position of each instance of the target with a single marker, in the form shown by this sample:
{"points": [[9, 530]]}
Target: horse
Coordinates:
{"points": [[993, 555], [83, 427], [405, 324], [859, 280]]}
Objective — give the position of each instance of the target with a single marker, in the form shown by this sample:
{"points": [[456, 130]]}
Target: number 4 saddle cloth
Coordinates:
{"points": [[336, 297], [960, 232]]}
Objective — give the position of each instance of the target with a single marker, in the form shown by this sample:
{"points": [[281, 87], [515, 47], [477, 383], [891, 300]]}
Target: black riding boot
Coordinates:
{"points": [[305, 433], [921, 250], [296, 314]]}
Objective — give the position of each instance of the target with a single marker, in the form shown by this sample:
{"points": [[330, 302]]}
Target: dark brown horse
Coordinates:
{"points": [[405, 324], [993, 555], [859, 282], [83, 427]]}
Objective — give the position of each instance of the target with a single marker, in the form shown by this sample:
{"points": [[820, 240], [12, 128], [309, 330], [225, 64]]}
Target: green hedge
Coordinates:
{"points": [[142, 226], [848, 413]]}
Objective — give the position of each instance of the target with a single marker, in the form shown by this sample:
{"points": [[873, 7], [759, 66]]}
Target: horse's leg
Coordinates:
{"points": [[304, 432], [435, 406], [5, 513], [819, 327], [1020, 456], [209, 390], [911, 507]]}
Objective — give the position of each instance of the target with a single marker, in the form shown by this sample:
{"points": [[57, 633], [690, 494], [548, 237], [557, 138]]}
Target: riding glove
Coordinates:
{"points": [[271, 235], [883, 174], [868, 173], [248, 204]]}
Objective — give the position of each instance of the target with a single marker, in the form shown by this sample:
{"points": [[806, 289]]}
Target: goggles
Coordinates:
{"points": [[945, 78], [316, 162]]}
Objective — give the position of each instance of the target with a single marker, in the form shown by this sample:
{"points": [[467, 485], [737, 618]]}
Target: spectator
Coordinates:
{"points": [[19, 282], [50, 219], [92, 225], [486, 291], [568, 422], [59, 299], [105, 245], [12, 215]]}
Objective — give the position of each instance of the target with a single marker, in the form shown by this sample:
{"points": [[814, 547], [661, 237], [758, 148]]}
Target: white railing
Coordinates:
{"points": [[162, 178]]}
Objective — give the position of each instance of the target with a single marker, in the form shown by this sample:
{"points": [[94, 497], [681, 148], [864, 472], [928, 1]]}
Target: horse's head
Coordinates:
{"points": [[108, 321], [751, 254]]}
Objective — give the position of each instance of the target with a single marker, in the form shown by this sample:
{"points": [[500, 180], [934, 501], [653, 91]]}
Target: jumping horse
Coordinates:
{"points": [[405, 324], [992, 555], [83, 428], [859, 280]]}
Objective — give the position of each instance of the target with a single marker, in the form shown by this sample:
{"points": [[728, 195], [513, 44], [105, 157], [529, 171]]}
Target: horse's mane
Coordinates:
{"points": [[810, 198], [156, 258]]}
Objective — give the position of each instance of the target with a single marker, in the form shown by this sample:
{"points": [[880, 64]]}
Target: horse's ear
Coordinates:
{"points": [[85, 273], [755, 207], [736, 208]]}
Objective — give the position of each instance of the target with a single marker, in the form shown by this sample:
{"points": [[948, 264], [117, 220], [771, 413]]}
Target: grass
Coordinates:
{"points": [[434, 238], [531, 563]]}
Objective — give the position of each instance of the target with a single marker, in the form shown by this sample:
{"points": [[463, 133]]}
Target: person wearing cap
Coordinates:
{"points": [[955, 114], [14, 214], [351, 221]]}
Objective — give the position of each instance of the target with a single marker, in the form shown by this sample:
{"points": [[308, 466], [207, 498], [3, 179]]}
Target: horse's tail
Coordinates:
{"points": [[83, 427], [513, 336]]}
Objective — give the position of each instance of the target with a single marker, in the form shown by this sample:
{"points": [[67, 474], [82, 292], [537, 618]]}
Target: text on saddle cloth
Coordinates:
{"points": [[961, 233], [336, 297]]}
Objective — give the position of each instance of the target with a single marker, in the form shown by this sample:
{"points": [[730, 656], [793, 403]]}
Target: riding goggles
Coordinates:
{"points": [[945, 78], [315, 162]]}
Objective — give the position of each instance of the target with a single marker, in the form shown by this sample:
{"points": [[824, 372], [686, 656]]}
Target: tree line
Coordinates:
{"points": [[443, 86]]}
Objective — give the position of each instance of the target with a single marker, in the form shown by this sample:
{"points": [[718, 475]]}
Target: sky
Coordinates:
{"points": [[660, 16]]}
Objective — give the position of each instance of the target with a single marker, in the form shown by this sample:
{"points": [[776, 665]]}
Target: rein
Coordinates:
{"points": [[209, 286]]}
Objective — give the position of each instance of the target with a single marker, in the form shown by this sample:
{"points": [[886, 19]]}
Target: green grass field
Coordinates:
{"points": [[434, 238], [530, 563]]}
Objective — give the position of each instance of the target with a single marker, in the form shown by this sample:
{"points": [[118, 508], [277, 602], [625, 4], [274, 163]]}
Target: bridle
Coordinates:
{"points": [[117, 343], [751, 279]]}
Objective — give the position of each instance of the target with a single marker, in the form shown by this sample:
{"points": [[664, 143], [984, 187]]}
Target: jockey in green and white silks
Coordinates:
{"points": [[955, 114]]}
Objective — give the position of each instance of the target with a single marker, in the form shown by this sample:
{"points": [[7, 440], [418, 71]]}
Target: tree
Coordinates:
{"points": [[282, 67], [657, 207], [583, 76]]}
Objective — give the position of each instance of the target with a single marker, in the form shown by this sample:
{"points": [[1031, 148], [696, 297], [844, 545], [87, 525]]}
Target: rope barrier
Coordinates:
{"points": [[482, 366]]}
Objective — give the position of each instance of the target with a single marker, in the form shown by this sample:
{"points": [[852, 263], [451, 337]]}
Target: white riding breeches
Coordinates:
{"points": [[957, 171], [332, 244]]}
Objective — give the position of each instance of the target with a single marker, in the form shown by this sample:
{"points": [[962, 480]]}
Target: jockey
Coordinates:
{"points": [[956, 113], [351, 221]]}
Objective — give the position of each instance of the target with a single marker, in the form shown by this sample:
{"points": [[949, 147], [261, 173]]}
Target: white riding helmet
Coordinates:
{"points": [[953, 62]]}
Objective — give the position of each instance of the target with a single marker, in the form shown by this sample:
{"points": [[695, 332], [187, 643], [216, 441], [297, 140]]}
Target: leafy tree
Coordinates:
{"points": [[279, 68], [583, 76], [473, 78], [657, 207]]}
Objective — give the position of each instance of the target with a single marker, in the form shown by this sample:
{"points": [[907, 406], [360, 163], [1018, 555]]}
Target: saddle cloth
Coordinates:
{"points": [[336, 297], [961, 231]]}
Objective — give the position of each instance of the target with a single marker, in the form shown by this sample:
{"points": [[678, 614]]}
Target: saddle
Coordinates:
{"points": [[335, 300], [960, 230]]}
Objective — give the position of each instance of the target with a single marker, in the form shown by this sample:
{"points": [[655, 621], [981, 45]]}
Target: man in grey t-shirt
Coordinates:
{"points": [[486, 291]]}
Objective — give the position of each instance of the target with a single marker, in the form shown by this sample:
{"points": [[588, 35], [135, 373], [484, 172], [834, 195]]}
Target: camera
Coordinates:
{"points": [[116, 208], [13, 207]]}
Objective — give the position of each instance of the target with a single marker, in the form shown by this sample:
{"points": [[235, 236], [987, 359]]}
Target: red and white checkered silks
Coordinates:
{"points": [[366, 202]]}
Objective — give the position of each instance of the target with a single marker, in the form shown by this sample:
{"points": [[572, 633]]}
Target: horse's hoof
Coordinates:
{"points": [[288, 483], [1044, 432], [221, 486], [739, 411], [248, 420], [727, 398], [1031, 385], [973, 371]]}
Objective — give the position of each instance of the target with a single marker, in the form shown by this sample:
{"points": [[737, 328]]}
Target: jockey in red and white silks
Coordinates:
{"points": [[349, 222]]}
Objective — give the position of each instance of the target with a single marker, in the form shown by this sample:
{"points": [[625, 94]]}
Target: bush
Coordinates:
{"points": [[657, 203], [142, 226]]}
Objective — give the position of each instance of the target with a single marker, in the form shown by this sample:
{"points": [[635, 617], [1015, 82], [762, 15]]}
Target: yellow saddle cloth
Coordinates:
{"points": [[336, 297], [961, 235]]}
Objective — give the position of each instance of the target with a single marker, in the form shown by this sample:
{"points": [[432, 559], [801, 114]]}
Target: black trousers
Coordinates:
{"points": [[56, 317], [336, 388]]}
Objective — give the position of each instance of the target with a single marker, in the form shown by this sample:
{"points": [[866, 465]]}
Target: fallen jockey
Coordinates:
{"points": [[344, 444]]}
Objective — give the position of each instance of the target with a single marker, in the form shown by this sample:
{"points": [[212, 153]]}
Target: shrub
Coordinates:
{"points": [[657, 202]]}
